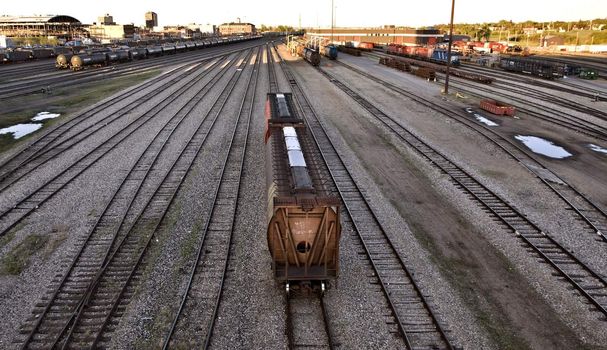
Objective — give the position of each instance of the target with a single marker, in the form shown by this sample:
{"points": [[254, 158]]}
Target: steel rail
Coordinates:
{"points": [[228, 189], [411, 329], [45, 152], [136, 66], [141, 167], [45, 191], [135, 244], [589, 283], [592, 214]]}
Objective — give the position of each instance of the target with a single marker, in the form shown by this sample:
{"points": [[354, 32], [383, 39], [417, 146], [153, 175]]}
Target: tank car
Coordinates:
{"points": [[304, 225], [312, 56], [78, 62], [63, 60], [330, 52], [154, 51], [168, 49], [180, 47], [139, 53], [124, 55]]}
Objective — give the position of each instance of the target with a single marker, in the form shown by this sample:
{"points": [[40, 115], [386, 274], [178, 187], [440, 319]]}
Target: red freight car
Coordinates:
{"points": [[497, 108]]}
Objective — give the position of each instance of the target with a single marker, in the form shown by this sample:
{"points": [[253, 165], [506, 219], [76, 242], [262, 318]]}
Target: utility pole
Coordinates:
{"points": [[449, 48], [332, 19]]}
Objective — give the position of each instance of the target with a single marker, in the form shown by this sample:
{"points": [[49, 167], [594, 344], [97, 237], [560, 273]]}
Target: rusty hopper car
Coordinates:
{"points": [[303, 219]]}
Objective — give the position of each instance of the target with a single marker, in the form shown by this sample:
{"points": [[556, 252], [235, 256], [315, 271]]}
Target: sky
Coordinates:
{"points": [[314, 13]]}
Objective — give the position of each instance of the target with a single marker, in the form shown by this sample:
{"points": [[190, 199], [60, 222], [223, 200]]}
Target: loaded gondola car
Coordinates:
{"points": [[303, 218]]}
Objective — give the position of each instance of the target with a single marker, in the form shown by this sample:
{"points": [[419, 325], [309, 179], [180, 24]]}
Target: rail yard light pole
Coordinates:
{"points": [[332, 19], [449, 48]]}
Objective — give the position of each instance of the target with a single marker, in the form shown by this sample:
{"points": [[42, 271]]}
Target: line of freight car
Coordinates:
{"points": [[422, 53], [96, 57]]}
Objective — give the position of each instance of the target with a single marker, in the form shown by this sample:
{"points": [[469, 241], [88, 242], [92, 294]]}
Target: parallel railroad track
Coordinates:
{"points": [[24, 206], [49, 145], [308, 322], [592, 214], [413, 314], [590, 285], [91, 298], [551, 116], [200, 301], [135, 67]]}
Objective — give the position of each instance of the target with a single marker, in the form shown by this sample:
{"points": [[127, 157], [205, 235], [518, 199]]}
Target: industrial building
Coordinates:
{"points": [[111, 32], [60, 26], [151, 20], [237, 28], [382, 36]]}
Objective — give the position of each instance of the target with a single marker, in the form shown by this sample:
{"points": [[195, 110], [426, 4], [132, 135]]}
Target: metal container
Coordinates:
{"points": [[63, 60], [304, 225], [312, 56], [330, 52], [154, 51], [39, 53]]}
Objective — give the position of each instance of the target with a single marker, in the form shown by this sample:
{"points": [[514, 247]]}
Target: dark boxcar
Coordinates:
{"points": [[14, 56], [304, 225], [42, 52]]}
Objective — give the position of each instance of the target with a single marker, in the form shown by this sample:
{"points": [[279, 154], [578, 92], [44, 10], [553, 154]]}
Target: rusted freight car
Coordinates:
{"points": [[304, 226]]}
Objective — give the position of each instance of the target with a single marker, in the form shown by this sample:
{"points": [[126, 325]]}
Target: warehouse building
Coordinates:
{"points": [[60, 26], [151, 20], [381, 36], [237, 28]]}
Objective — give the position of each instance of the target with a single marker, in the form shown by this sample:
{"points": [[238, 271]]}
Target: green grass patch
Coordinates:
{"points": [[19, 257], [65, 101]]}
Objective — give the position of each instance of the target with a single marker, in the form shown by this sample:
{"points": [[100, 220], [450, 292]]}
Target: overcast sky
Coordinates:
{"points": [[313, 12]]}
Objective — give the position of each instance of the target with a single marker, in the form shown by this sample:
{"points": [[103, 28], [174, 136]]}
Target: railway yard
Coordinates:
{"points": [[138, 219]]}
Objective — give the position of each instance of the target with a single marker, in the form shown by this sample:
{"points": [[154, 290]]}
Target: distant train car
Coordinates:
{"points": [[441, 56], [58, 50], [63, 60], [42, 52], [540, 68], [365, 46], [312, 56], [154, 51], [79, 61], [16, 56], [139, 53], [168, 49], [330, 52], [304, 226]]}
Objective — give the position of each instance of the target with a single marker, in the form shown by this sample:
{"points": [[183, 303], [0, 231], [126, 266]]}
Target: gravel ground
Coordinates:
{"points": [[462, 151], [77, 208], [497, 171]]}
